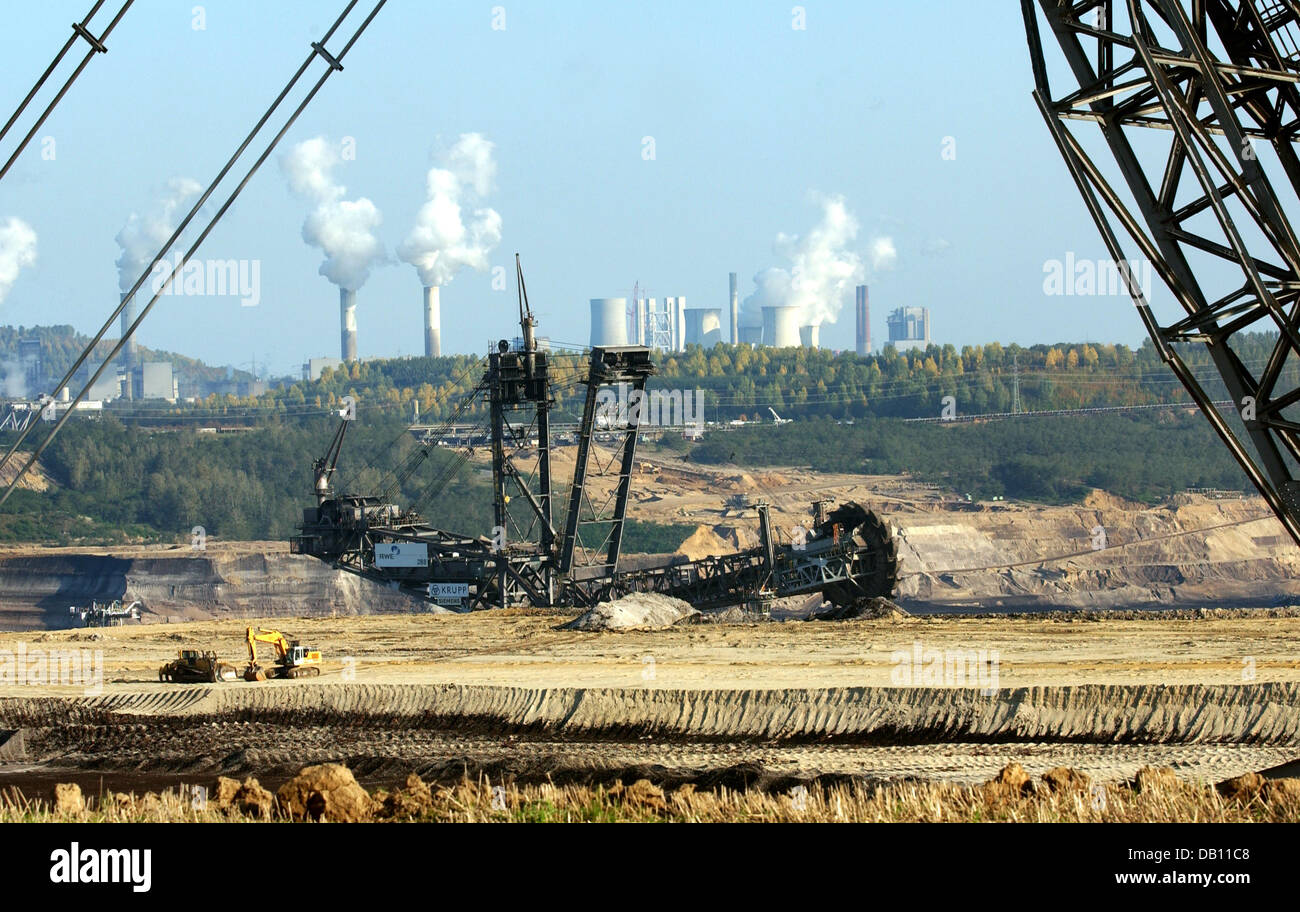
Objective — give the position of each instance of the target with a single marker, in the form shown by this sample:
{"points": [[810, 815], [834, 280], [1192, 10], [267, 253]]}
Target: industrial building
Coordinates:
{"points": [[655, 324], [909, 328], [153, 380], [316, 366]]}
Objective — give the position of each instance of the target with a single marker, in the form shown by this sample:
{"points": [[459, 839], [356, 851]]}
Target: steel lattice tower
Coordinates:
{"points": [[1197, 103]]}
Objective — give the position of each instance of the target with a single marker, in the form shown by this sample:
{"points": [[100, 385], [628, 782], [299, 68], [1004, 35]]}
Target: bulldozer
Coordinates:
{"points": [[193, 667], [292, 659]]}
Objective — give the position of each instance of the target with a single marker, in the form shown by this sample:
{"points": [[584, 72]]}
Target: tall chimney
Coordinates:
{"points": [[735, 312], [432, 322], [864, 322], [129, 353], [348, 323]]}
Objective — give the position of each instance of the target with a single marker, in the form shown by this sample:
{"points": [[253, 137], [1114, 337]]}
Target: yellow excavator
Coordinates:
{"points": [[292, 659]]}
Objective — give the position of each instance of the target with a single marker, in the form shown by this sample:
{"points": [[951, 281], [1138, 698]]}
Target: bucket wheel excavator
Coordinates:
{"points": [[537, 558]]}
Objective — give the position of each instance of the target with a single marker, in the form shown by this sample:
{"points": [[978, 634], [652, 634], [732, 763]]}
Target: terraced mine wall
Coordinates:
{"points": [[36, 589]]}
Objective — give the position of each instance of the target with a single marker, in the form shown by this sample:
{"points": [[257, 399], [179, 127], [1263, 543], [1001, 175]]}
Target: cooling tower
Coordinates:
{"points": [[751, 335], [348, 323], [735, 311], [810, 336], [704, 326], [608, 322], [781, 327], [432, 322]]}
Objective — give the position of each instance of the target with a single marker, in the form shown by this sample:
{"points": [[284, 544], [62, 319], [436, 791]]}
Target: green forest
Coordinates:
{"points": [[115, 482], [146, 472], [740, 382], [1145, 457]]}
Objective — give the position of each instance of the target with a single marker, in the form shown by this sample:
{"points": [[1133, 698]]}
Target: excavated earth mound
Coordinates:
{"points": [[639, 611]]}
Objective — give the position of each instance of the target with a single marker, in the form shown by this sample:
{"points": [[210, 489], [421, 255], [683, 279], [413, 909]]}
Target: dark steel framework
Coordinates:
{"points": [[97, 46], [1217, 81], [593, 527]]}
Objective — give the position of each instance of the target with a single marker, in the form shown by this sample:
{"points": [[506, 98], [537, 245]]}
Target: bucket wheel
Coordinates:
{"points": [[877, 555]]}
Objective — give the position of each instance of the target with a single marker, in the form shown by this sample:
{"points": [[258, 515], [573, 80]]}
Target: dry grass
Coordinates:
{"points": [[1166, 800]]}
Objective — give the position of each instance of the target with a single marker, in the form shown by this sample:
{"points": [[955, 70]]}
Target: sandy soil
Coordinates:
{"points": [[507, 693], [525, 649]]}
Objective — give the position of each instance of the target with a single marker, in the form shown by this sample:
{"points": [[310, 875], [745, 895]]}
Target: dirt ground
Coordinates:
{"points": [[521, 648], [508, 694]]}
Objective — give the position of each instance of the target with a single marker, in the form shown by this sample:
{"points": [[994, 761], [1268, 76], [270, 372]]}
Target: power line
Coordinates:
{"points": [[97, 46], [333, 65]]}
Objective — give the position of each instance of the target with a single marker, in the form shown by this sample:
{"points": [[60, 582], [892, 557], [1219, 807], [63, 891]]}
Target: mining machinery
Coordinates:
{"points": [[113, 614], [194, 667], [534, 554], [292, 659]]}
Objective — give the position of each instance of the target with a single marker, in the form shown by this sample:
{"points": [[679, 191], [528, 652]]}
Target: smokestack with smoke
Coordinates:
{"points": [[348, 324], [452, 231], [141, 239], [432, 322], [17, 252], [822, 269], [343, 229]]}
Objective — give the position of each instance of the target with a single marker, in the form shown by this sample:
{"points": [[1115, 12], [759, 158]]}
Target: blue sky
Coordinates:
{"points": [[750, 118]]}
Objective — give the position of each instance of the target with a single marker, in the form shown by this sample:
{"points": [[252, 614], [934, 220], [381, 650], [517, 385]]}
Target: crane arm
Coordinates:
{"points": [[273, 637], [323, 468]]}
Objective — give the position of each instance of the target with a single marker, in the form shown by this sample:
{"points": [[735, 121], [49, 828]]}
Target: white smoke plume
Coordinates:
{"points": [[343, 229], [14, 385], [143, 235], [823, 269], [883, 254], [451, 230], [17, 252]]}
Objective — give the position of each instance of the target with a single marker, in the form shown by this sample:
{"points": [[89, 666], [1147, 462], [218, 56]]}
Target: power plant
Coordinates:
{"points": [[348, 323], [660, 326], [432, 322], [909, 328]]}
